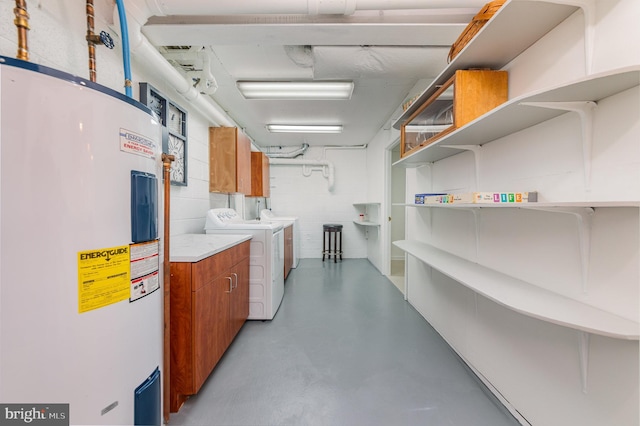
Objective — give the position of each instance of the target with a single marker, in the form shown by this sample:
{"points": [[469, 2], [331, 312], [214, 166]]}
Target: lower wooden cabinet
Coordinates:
{"points": [[209, 305], [288, 249]]}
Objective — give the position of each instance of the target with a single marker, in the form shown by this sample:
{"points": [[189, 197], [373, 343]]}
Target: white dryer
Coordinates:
{"points": [[266, 258], [266, 215]]}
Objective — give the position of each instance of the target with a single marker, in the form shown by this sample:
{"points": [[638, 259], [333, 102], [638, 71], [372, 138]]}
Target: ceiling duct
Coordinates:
{"points": [[300, 55], [378, 61], [143, 9], [290, 154]]}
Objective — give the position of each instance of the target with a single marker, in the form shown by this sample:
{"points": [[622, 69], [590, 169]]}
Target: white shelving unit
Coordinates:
{"points": [[523, 297], [371, 211], [533, 206], [461, 316]]}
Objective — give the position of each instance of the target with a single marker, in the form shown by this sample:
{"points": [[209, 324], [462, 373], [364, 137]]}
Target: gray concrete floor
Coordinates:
{"points": [[343, 349]]}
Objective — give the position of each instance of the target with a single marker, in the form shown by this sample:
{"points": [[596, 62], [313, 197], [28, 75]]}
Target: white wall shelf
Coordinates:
{"points": [[365, 223], [519, 114], [523, 297], [371, 210], [533, 206], [524, 21]]}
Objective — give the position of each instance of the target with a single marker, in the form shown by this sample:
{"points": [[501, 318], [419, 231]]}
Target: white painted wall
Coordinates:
{"points": [[309, 198]]}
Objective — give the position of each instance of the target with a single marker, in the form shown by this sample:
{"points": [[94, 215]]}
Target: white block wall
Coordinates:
{"points": [[309, 198]]}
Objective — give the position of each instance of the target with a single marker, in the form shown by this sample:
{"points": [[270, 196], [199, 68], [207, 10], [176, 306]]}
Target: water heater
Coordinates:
{"points": [[80, 254]]}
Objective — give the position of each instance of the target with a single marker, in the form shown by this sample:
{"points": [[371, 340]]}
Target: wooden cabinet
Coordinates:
{"points": [[467, 95], [259, 175], [209, 305], [229, 160], [288, 249]]}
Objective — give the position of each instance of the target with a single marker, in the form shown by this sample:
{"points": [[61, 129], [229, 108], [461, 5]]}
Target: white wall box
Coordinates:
{"points": [[541, 300]]}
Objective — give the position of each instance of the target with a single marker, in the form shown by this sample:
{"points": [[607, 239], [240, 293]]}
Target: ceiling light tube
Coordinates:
{"points": [[296, 89], [286, 128]]}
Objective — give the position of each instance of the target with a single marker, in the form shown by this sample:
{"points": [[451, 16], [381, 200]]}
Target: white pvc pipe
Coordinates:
{"points": [[145, 53], [330, 175], [287, 7]]}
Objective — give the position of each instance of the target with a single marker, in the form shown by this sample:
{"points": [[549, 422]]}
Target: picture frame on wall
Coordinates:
{"points": [[174, 130]]}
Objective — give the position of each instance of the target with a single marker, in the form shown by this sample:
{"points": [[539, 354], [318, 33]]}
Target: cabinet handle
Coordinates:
{"points": [[230, 285], [235, 275]]}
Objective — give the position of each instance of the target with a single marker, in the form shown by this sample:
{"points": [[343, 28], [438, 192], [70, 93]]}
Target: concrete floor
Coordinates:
{"points": [[343, 349]]}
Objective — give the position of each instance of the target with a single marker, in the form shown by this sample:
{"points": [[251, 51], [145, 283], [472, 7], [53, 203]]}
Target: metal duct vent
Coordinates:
{"points": [[195, 61]]}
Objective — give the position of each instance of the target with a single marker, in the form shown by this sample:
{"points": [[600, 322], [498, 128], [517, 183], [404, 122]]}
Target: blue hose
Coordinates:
{"points": [[125, 48]]}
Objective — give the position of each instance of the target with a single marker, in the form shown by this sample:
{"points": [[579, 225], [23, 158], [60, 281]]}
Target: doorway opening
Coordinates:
{"points": [[396, 209]]}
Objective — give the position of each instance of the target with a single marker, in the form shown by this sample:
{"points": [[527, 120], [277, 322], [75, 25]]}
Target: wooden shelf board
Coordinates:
{"points": [[523, 297]]}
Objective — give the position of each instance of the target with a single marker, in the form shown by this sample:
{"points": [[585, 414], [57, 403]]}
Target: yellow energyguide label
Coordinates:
{"points": [[103, 277]]}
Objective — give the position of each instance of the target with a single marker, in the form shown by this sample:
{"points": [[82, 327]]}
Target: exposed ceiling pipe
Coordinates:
{"points": [[22, 24], [328, 170], [145, 53], [290, 154], [297, 7]]}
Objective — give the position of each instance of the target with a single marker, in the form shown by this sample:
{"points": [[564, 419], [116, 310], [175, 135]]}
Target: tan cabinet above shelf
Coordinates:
{"points": [[229, 161], [464, 97]]}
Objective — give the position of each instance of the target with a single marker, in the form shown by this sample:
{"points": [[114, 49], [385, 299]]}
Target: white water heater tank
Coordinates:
{"points": [[80, 286]]}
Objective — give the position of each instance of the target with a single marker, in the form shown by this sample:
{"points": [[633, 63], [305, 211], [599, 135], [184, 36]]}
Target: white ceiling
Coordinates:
{"points": [[388, 54]]}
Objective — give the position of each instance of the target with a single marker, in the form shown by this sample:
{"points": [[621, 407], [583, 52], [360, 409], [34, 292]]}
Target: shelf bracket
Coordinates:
{"points": [[476, 218], [584, 216], [585, 111], [583, 348], [476, 156], [589, 10]]}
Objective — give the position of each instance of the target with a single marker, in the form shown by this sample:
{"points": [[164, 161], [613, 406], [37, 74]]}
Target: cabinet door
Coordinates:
{"points": [[210, 326], [288, 249], [243, 164], [260, 175], [229, 160], [239, 309]]}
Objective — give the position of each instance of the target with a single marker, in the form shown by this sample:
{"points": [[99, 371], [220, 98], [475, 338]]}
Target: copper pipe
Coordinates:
{"points": [[166, 163], [22, 23], [91, 40]]}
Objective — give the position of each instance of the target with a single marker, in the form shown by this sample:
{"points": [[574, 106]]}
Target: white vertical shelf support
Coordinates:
{"points": [[476, 156], [585, 112], [584, 216], [584, 359], [589, 10], [476, 218]]}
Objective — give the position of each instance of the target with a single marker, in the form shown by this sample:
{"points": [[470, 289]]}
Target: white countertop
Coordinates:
{"points": [[285, 221], [195, 247]]}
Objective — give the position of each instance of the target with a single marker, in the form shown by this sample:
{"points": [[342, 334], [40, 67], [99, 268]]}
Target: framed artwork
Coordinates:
{"points": [[174, 130]]}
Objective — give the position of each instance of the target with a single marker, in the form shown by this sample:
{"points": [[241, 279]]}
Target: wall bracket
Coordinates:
{"points": [[585, 111]]}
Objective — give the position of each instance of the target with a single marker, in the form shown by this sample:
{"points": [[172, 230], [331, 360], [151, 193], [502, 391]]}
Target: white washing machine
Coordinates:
{"points": [[266, 258], [267, 215]]}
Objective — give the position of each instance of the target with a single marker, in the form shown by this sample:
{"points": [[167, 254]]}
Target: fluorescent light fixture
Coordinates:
{"points": [[296, 89], [285, 128]]}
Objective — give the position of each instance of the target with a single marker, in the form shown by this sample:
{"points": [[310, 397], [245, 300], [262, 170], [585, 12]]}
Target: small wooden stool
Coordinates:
{"points": [[332, 241]]}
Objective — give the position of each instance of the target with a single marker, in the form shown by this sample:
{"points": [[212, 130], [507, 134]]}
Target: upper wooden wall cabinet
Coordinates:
{"points": [[229, 160], [467, 95], [260, 175]]}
